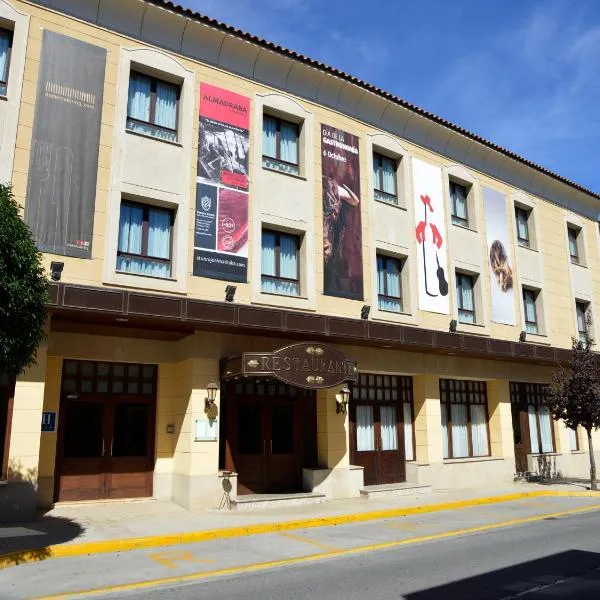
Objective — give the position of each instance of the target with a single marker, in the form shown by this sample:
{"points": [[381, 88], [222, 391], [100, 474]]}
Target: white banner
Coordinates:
{"points": [[430, 231], [501, 274]]}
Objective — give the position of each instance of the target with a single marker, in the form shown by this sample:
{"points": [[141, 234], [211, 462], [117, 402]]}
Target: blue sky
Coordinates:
{"points": [[523, 73]]}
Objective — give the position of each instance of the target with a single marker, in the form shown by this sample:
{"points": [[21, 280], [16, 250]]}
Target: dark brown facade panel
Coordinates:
{"points": [[347, 328], [422, 337], [472, 343], [210, 313], [447, 340], [501, 347], [386, 333], [545, 352], [155, 306], [305, 323], [258, 317], [524, 351], [93, 299]]}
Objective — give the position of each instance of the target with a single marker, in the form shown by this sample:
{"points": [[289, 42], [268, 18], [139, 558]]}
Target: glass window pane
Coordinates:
{"points": [[282, 429], [118, 370], [460, 439], [250, 434], [546, 429], [87, 369], [147, 388], [445, 443], [479, 430], [117, 387], [365, 429], [69, 385], [408, 430], [133, 371], [130, 436], [148, 371], [86, 386], [102, 369], [70, 367], [102, 386], [389, 436], [83, 429], [289, 143], [133, 387], [533, 429]]}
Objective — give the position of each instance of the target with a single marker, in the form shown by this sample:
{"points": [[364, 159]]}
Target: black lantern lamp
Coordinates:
{"points": [[341, 404]]}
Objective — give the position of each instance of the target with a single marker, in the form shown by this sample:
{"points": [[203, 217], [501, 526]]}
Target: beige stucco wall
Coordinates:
{"points": [[165, 173]]}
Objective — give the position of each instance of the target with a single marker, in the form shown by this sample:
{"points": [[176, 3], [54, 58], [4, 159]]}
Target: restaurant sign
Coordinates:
{"points": [[307, 365]]}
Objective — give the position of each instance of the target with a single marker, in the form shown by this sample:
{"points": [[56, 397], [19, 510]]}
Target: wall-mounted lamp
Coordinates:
{"points": [[56, 269], [341, 404], [523, 336], [452, 328], [230, 293], [211, 396], [364, 312]]}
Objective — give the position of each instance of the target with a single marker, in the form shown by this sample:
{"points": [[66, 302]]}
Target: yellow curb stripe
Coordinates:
{"points": [[159, 541], [312, 557]]}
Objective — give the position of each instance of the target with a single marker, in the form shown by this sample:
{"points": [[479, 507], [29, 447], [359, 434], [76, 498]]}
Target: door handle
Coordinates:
{"points": [[271, 446], [111, 445], [264, 447], [102, 446]]}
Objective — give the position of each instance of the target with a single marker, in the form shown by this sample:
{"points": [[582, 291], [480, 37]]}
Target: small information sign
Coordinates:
{"points": [[206, 430], [48, 421]]}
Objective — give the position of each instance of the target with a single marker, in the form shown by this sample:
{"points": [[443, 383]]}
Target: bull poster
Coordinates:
{"points": [[342, 233], [221, 217], [430, 232], [63, 167], [501, 274]]}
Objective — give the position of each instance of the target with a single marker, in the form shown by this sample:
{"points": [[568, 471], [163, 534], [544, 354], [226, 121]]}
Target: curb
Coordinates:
{"points": [[159, 541]]}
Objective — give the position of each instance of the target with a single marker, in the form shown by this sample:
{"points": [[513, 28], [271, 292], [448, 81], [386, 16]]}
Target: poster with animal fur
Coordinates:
{"points": [[501, 272], [430, 232]]}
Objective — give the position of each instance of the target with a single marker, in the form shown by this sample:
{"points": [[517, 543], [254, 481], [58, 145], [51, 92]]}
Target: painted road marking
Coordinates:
{"points": [[192, 537], [312, 557], [170, 559], [307, 540]]}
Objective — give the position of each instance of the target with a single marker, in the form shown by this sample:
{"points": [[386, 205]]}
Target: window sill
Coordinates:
{"points": [[528, 248], [578, 452], [300, 177], [3, 97], [466, 227], [151, 137], [538, 338], [579, 264], [400, 206], [482, 325], [470, 459], [545, 454], [153, 277]]}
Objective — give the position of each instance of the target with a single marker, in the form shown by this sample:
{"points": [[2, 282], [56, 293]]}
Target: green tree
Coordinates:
{"points": [[574, 394], [23, 290]]}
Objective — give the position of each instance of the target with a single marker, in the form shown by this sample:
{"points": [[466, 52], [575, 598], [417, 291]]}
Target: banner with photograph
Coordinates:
{"points": [[501, 274], [61, 185], [221, 224], [342, 233], [430, 231]]}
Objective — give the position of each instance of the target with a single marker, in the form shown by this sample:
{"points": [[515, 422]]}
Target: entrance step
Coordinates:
{"points": [[260, 501], [393, 489]]}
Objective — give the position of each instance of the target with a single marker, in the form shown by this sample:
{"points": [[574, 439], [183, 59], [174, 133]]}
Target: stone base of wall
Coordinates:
{"points": [[17, 502], [557, 466], [196, 492], [462, 473], [341, 482]]}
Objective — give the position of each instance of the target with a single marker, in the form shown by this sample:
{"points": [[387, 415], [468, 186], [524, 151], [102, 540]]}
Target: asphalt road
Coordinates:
{"points": [[549, 559]]}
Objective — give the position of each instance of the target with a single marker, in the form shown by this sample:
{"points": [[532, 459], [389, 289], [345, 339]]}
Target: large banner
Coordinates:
{"points": [[61, 188], [501, 275], [430, 230], [342, 234], [221, 224]]}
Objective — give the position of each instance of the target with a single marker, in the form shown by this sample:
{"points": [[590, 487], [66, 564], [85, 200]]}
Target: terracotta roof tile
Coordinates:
{"points": [[176, 8]]}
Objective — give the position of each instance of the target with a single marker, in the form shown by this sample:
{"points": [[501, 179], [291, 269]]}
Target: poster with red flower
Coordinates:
{"points": [[430, 234]]}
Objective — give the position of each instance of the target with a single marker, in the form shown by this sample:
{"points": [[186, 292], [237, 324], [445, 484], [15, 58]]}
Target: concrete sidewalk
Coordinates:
{"points": [[88, 528]]}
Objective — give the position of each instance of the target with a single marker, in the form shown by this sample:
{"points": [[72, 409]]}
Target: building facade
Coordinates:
{"points": [[240, 238]]}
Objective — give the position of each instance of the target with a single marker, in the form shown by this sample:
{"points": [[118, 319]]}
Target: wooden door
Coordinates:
{"points": [[378, 442], [247, 441], [129, 465], [265, 445], [106, 431], [81, 465], [283, 464], [520, 425]]}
